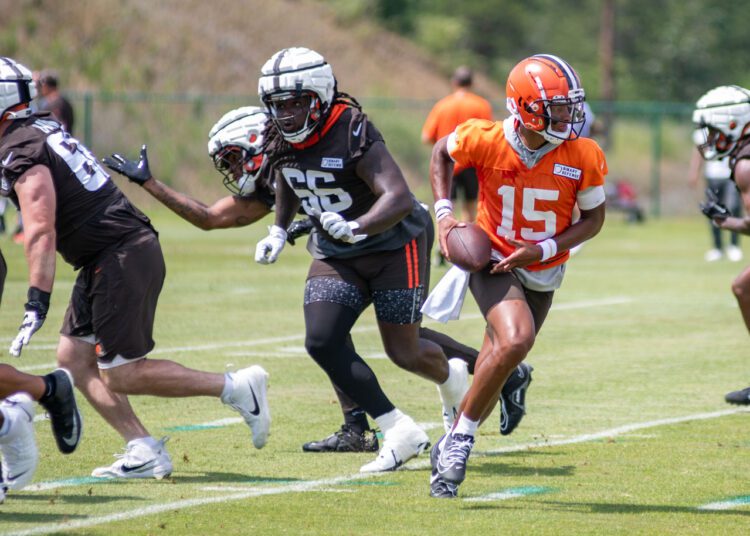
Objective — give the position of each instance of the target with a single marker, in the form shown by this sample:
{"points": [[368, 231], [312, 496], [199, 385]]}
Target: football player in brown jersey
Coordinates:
{"points": [[70, 206]]}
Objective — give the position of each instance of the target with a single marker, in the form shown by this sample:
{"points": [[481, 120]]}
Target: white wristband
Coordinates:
{"points": [[443, 208], [549, 248]]}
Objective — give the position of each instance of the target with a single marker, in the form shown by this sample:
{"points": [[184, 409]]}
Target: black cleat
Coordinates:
{"points": [[513, 398], [63, 412], [741, 398], [451, 458], [345, 440]]}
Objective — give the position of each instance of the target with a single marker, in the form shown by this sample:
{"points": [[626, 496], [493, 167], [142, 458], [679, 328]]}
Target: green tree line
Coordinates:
{"points": [[662, 50]]}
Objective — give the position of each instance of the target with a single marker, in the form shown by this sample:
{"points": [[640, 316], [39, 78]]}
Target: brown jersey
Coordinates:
{"points": [[324, 177], [92, 214]]}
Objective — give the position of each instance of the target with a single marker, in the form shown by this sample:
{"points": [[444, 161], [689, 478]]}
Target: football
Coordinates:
{"points": [[469, 247]]}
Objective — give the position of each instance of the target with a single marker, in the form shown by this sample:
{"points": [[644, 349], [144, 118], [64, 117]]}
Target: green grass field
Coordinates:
{"points": [[626, 433]]}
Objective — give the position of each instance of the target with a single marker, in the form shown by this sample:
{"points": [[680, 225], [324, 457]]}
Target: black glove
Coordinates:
{"points": [[712, 208], [298, 228], [137, 172]]}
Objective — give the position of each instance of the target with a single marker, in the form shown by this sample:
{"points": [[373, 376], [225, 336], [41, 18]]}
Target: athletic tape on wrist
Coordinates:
{"points": [[549, 248]]}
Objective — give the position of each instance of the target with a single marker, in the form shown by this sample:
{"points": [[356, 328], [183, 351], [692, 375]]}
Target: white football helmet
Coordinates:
{"points": [[292, 73], [16, 87], [235, 144], [721, 118]]}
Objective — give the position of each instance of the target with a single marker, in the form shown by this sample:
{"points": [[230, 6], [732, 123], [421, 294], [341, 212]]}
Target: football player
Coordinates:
{"points": [[722, 123], [533, 168], [70, 206], [236, 144], [368, 243]]}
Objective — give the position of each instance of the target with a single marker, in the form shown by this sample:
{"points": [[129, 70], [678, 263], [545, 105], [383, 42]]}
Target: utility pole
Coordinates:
{"points": [[607, 63]]}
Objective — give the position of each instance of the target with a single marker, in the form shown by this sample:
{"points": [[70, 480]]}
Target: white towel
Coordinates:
{"points": [[446, 299]]}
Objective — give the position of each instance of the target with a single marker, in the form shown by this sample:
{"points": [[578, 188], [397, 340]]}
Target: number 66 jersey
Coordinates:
{"points": [[92, 214], [530, 198]]}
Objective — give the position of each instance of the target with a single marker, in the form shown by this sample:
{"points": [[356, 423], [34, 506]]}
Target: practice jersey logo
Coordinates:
{"points": [[332, 163], [567, 172]]}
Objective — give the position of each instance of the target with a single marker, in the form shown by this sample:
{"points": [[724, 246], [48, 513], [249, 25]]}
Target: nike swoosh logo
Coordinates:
{"points": [[73, 439], [7, 159], [255, 401], [130, 469], [357, 130], [11, 478]]}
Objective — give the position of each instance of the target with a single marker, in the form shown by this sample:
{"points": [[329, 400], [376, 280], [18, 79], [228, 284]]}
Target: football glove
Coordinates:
{"points": [[298, 228], [138, 172], [268, 249], [712, 208], [33, 318], [340, 229]]}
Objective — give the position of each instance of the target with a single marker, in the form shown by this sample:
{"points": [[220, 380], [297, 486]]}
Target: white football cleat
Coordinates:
{"points": [[453, 390], [139, 461], [401, 443], [248, 398], [18, 445]]}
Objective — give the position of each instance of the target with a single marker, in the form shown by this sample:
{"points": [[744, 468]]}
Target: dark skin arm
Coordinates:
{"points": [[527, 252], [742, 178], [441, 178], [227, 212], [287, 202], [381, 173]]}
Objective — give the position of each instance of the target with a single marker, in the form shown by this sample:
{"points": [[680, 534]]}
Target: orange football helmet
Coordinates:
{"points": [[545, 94]]}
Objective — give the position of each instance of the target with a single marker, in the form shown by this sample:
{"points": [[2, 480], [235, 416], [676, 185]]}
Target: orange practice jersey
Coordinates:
{"points": [[451, 111], [526, 204]]}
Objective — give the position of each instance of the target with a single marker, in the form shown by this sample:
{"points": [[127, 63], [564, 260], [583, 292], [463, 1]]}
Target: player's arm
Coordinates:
{"points": [[287, 203], [381, 173], [587, 227], [742, 179], [229, 211], [36, 197], [441, 175]]}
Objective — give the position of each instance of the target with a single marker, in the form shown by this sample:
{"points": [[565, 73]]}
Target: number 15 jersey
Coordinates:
{"points": [[530, 204]]}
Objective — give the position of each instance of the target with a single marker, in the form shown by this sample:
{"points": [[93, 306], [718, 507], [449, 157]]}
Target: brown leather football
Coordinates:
{"points": [[469, 247]]}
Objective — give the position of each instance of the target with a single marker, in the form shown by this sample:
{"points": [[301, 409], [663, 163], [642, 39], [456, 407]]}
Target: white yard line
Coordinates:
{"points": [[313, 485], [615, 300]]}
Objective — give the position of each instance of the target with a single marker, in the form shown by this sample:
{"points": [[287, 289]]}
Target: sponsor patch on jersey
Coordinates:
{"points": [[567, 172], [332, 163]]}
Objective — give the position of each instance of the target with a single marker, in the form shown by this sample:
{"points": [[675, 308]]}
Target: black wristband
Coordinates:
{"points": [[38, 300]]}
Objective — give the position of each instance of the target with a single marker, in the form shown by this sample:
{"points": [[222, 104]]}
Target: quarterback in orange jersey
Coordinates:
{"points": [[533, 169]]}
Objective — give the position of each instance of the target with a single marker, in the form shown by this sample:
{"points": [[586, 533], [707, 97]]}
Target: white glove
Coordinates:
{"points": [[340, 229], [268, 249], [32, 321]]}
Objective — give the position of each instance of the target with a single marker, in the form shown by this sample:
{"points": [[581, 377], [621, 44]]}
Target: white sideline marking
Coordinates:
{"points": [[731, 504], [615, 300], [331, 482]]}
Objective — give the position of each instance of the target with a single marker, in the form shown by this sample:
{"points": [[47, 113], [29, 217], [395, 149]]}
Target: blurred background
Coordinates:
{"points": [[162, 72]]}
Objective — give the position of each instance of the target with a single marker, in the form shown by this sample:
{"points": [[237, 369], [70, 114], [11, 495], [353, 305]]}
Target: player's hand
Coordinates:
{"points": [[525, 253], [712, 208], [298, 228], [340, 229], [445, 224], [33, 318], [269, 249], [137, 171]]}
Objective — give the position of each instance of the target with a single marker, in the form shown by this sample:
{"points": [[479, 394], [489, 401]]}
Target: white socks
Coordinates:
{"points": [[388, 420], [465, 426], [226, 393]]}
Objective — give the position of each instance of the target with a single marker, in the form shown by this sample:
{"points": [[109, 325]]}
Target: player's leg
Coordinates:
{"points": [[334, 299], [510, 335], [125, 287], [741, 291], [399, 286], [470, 187]]}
